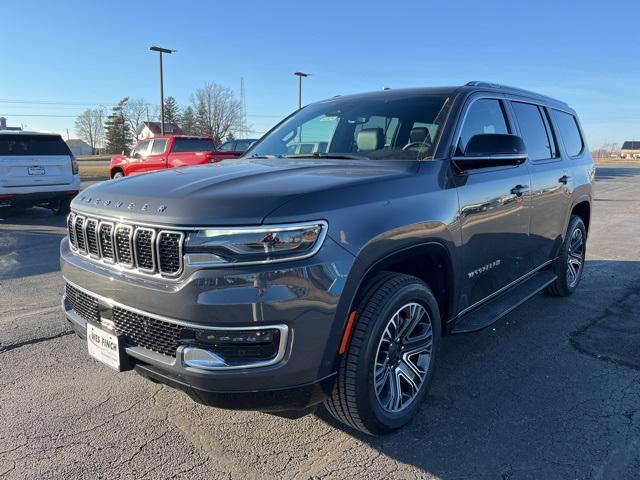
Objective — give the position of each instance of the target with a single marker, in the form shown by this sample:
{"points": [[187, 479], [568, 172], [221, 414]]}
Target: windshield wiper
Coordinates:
{"points": [[337, 156]]}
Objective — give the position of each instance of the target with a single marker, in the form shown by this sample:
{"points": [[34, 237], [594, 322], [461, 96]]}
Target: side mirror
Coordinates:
{"points": [[492, 150]]}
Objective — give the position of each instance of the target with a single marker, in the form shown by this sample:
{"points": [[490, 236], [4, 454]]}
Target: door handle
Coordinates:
{"points": [[518, 190], [564, 179]]}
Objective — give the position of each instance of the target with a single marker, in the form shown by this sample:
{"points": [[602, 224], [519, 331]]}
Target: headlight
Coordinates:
{"points": [[254, 245]]}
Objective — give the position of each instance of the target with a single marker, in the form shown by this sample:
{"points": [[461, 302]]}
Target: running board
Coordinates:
{"points": [[498, 307]]}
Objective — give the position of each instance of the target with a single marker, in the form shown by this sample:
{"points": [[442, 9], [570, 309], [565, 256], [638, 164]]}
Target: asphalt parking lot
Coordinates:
{"points": [[552, 391]]}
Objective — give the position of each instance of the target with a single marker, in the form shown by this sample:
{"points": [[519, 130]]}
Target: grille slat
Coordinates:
{"points": [[91, 230], [146, 250]]}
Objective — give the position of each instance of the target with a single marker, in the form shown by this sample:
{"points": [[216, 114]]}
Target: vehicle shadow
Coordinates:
{"points": [[527, 397], [29, 241]]}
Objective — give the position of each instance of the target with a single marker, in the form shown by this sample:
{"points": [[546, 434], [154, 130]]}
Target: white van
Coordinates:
{"points": [[37, 169]]}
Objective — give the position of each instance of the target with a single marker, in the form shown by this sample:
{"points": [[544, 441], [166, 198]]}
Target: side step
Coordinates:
{"points": [[498, 307]]}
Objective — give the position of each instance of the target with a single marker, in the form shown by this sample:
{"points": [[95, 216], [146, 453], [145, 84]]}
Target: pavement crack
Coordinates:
{"points": [[33, 341]]}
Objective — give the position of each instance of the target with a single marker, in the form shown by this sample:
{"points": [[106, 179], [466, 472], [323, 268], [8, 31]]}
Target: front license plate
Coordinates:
{"points": [[36, 171], [104, 346]]}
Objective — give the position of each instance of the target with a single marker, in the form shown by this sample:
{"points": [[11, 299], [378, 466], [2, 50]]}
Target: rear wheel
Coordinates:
{"points": [[570, 263], [386, 370]]}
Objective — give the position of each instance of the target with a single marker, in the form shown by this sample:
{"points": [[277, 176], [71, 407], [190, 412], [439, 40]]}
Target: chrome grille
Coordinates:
{"points": [[106, 241], [91, 230], [123, 245], [71, 228], [79, 234], [170, 251], [143, 249]]}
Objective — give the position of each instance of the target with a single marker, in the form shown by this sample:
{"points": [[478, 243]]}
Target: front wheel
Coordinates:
{"points": [[570, 263], [386, 370], [117, 174]]}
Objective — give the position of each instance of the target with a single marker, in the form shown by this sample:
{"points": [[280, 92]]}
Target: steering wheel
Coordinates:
{"points": [[409, 146]]}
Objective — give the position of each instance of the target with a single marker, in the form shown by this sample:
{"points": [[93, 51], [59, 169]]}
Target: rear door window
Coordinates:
{"points": [[33, 145], [193, 145], [567, 126], [485, 116], [534, 131]]}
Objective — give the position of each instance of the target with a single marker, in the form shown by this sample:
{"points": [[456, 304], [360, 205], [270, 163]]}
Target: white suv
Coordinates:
{"points": [[37, 169]]}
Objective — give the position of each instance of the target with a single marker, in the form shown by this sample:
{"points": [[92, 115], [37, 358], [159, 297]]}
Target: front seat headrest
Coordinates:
{"points": [[370, 139], [419, 135]]}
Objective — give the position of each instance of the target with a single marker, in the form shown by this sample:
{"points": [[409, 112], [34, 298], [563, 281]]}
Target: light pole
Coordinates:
{"points": [[300, 75], [153, 48]]}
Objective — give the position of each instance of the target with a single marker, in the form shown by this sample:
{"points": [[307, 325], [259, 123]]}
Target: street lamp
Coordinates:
{"points": [[300, 75], [153, 48]]}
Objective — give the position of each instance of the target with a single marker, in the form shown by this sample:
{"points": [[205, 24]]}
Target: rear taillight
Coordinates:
{"points": [[74, 165]]}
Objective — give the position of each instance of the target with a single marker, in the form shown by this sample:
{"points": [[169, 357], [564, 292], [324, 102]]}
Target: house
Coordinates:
{"points": [[3, 125], [79, 147], [152, 129], [630, 149]]}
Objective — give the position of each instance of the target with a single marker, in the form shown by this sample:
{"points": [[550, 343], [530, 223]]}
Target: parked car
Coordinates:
{"points": [[169, 151], [292, 279], [37, 169], [237, 147]]}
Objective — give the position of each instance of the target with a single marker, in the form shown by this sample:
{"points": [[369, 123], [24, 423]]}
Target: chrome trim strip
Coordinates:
{"points": [[152, 246], [501, 290], [180, 253], [282, 328], [117, 249]]}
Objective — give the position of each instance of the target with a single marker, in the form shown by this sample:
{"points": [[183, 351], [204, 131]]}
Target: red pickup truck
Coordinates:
{"points": [[171, 151]]}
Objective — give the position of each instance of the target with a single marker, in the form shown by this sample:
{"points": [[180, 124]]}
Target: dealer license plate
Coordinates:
{"points": [[104, 346]]}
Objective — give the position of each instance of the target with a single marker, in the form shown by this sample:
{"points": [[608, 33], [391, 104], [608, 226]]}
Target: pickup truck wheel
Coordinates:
{"points": [[117, 174], [386, 370], [570, 263]]}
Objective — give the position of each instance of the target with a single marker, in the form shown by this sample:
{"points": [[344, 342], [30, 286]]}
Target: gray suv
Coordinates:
{"points": [[325, 265]]}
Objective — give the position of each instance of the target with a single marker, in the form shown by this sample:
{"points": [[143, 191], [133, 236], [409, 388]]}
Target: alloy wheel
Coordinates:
{"points": [[575, 257], [403, 357]]}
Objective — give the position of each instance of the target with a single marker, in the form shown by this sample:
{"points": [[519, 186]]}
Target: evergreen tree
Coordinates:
{"points": [[117, 132], [171, 110], [203, 126], [188, 122]]}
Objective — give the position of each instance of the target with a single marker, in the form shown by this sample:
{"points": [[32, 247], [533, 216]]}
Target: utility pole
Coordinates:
{"points": [[153, 48], [300, 75]]}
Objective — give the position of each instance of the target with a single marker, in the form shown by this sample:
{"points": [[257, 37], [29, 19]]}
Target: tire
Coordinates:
{"points": [[566, 265], [117, 174], [356, 401], [61, 207]]}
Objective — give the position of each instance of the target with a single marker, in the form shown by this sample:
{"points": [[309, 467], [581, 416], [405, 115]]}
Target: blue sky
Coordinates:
{"points": [[84, 52]]}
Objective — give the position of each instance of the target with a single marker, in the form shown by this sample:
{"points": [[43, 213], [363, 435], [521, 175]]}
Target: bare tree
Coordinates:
{"points": [[135, 112], [90, 127], [218, 112]]}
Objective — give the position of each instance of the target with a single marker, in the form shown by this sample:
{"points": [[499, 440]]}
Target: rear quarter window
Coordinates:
{"points": [[192, 145], [30, 145], [567, 126]]}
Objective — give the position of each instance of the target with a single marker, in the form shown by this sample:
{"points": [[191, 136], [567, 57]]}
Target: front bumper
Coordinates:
{"points": [[301, 295]]}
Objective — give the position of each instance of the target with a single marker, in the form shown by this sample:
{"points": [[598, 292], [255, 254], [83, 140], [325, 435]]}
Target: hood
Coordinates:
{"points": [[233, 192]]}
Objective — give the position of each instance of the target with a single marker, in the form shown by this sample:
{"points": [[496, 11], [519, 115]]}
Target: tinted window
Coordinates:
{"points": [[484, 116], [242, 145], [193, 145], [567, 126], [227, 146], [158, 147], [375, 127], [33, 145], [533, 130]]}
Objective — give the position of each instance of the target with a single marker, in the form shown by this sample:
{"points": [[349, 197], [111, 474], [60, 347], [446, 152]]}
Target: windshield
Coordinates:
{"points": [[404, 127]]}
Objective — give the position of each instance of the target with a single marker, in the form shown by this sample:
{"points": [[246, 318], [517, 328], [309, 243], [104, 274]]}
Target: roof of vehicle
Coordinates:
{"points": [[450, 90], [24, 132]]}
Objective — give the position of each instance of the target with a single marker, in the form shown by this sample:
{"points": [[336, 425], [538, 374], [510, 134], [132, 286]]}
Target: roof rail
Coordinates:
{"points": [[476, 83]]}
